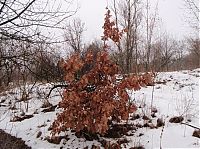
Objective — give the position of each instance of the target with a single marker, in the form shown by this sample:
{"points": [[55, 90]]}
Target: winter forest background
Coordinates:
{"points": [[83, 70]]}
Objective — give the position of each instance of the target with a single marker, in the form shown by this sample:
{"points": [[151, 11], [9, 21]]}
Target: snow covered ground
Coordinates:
{"points": [[175, 94], [180, 96]]}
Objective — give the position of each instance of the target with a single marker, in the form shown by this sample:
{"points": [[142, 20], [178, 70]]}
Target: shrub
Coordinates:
{"points": [[94, 96]]}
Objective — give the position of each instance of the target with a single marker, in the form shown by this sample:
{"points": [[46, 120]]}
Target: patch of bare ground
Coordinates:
{"points": [[10, 142]]}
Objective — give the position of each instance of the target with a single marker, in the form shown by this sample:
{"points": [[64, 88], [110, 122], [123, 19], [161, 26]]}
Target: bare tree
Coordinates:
{"points": [[24, 25], [119, 57], [128, 16], [27, 62], [74, 34], [194, 46], [194, 49], [179, 55], [162, 53], [132, 15], [193, 10], [24, 20], [150, 20], [193, 20]]}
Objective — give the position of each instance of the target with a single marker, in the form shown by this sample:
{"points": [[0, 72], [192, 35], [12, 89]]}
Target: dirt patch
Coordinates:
{"points": [[56, 139], [50, 109], [196, 133], [115, 131], [161, 82], [10, 142], [19, 119], [160, 122], [119, 130], [176, 119], [87, 135]]}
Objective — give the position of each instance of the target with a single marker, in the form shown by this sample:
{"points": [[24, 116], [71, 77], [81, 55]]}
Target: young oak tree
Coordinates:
{"points": [[94, 96]]}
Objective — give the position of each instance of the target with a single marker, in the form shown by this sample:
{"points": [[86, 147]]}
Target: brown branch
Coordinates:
{"points": [[18, 15], [56, 86], [3, 5], [190, 125]]}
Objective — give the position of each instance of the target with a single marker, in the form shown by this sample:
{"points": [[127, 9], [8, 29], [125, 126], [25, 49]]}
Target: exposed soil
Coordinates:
{"points": [[49, 109], [10, 142], [21, 118], [56, 139], [196, 133], [176, 119], [118, 130]]}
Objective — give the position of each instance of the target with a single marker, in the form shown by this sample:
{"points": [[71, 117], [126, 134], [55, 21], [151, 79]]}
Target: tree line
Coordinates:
{"points": [[28, 54]]}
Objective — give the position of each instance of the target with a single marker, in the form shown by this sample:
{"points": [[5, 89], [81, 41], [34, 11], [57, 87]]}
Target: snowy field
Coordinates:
{"points": [[175, 94]]}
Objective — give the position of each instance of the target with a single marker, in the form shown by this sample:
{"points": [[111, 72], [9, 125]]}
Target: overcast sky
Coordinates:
{"points": [[171, 12]]}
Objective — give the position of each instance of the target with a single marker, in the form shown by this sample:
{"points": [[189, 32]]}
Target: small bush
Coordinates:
{"points": [[93, 96]]}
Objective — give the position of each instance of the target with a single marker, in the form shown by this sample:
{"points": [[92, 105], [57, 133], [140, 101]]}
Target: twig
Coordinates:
{"points": [[190, 125], [56, 86], [152, 97], [161, 135]]}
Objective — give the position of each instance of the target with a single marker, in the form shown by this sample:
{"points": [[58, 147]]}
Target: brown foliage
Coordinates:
{"points": [[93, 96], [111, 31]]}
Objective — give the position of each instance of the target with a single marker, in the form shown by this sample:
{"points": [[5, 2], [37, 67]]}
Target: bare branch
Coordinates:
{"points": [[18, 15]]}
